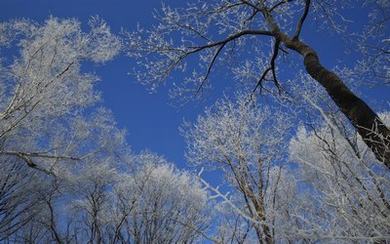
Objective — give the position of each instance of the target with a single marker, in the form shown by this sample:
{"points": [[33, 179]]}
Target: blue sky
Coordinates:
{"points": [[152, 123]]}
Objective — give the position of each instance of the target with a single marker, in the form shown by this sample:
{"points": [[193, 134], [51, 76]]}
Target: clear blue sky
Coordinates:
{"points": [[151, 122]]}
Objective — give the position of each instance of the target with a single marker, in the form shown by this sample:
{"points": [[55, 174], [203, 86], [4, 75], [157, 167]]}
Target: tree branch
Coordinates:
{"points": [[210, 66], [270, 68], [279, 4], [231, 38], [30, 163], [302, 20]]}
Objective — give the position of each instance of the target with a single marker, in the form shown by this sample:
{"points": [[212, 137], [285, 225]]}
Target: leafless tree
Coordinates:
{"points": [[246, 143], [210, 31]]}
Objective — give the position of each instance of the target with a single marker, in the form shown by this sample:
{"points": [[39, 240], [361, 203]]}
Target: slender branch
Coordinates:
{"points": [[210, 66], [27, 157], [33, 165], [221, 44], [254, 13], [252, 5], [279, 4], [193, 30], [302, 20], [37, 155], [273, 59], [260, 81], [231, 38], [270, 68]]}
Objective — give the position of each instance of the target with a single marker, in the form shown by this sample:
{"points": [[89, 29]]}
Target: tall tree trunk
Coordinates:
{"points": [[373, 131], [370, 127]]}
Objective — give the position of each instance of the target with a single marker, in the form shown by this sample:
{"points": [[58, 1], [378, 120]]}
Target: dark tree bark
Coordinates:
{"points": [[370, 127], [373, 131]]}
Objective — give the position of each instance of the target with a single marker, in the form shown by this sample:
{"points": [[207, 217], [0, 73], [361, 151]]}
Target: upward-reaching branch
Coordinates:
{"points": [[302, 19], [272, 68]]}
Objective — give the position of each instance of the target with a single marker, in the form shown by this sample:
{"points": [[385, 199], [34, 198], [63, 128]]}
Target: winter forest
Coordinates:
{"points": [[207, 121]]}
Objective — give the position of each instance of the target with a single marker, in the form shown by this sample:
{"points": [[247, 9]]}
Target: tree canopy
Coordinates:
{"points": [[290, 152]]}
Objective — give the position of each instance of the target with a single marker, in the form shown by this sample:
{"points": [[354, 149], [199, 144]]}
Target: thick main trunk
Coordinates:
{"points": [[262, 229], [370, 127], [264, 233]]}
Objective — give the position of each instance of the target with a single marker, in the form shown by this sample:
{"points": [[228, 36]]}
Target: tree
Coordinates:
{"points": [[159, 204], [20, 200], [155, 203], [92, 199], [246, 143], [100, 145], [347, 191], [214, 30], [68, 174], [44, 125], [145, 199], [331, 188], [44, 87], [373, 44]]}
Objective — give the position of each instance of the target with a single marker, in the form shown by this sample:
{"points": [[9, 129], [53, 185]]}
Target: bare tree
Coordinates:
{"points": [[373, 44], [44, 86], [212, 30], [167, 205], [347, 191], [19, 198], [246, 143], [112, 202], [91, 190], [42, 125]]}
